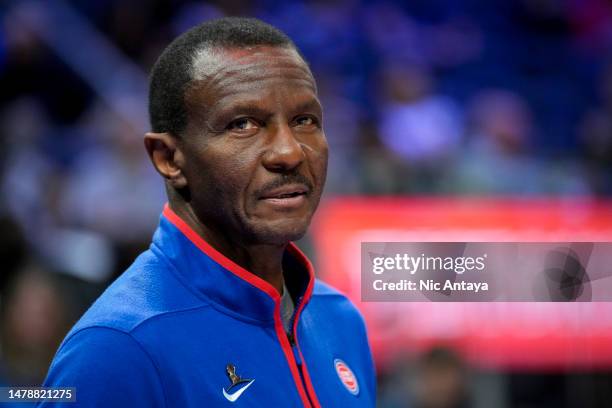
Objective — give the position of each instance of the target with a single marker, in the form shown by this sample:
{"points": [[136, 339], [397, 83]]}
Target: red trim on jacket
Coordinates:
{"points": [[305, 261], [218, 257]]}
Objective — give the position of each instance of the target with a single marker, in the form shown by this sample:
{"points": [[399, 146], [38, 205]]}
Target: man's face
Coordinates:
{"points": [[254, 147]]}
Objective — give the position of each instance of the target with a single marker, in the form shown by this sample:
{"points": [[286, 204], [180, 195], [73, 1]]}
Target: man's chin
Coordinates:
{"points": [[280, 232]]}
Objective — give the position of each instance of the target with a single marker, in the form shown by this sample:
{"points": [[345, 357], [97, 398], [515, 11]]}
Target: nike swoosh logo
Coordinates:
{"points": [[233, 397]]}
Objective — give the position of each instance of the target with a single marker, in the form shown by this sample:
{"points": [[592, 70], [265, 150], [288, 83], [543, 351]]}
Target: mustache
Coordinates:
{"points": [[285, 179]]}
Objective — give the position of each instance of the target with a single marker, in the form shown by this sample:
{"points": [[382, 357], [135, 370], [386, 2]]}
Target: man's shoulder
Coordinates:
{"points": [[148, 288], [324, 289], [333, 301], [106, 364]]}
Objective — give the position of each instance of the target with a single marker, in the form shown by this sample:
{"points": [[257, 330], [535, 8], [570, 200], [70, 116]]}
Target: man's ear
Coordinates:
{"points": [[167, 158]]}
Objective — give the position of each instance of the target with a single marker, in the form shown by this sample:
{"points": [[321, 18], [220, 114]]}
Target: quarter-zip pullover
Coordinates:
{"points": [[185, 326]]}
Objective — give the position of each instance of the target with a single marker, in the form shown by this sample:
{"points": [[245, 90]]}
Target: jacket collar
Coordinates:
{"points": [[222, 282]]}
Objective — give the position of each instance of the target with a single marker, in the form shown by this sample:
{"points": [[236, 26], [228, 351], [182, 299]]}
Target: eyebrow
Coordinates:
{"points": [[241, 108], [311, 104], [251, 109]]}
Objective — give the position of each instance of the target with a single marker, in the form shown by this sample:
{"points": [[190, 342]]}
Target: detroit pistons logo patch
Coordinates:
{"points": [[346, 376]]}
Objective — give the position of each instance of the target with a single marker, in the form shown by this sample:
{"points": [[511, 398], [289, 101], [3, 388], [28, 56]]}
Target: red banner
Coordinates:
{"points": [[494, 335]]}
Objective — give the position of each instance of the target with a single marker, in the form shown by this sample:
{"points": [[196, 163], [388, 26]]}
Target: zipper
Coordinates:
{"points": [[298, 361], [297, 367], [290, 333], [296, 353], [291, 336]]}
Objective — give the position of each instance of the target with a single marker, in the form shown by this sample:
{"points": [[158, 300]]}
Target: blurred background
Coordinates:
{"points": [[425, 98]]}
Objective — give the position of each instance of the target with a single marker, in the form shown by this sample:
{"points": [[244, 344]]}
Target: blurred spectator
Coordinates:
{"points": [[441, 381], [32, 325], [343, 126], [112, 188], [595, 133], [418, 125], [381, 171], [498, 157], [437, 379], [37, 308], [28, 171]]}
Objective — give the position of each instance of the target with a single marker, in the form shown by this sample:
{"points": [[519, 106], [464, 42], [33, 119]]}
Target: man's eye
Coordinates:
{"points": [[306, 121], [242, 124]]}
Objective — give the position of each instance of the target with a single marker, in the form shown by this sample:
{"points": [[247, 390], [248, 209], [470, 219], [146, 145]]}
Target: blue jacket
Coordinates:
{"points": [[185, 326]]}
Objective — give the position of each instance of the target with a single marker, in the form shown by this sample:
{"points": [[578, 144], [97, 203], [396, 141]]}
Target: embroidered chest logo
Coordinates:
{"points": [[346, 376], [239, 385]]}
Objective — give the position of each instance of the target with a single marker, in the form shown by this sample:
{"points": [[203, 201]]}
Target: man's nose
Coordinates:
{"points": [[284, 151]]}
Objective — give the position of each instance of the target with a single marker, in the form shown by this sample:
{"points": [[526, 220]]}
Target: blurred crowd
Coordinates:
{"points": [[428, 97]]}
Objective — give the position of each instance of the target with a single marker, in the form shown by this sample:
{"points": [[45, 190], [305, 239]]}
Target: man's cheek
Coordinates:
{"points": [[322, 151], [319, 165]]}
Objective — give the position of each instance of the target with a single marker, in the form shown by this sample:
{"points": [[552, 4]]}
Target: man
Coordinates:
{"points": [[223, 308]]}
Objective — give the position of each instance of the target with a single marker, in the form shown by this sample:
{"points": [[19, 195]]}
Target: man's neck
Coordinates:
{"points": [[265, 261]]}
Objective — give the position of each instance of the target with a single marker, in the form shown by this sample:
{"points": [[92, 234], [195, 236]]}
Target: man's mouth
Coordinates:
{"points": [[286, 197]]}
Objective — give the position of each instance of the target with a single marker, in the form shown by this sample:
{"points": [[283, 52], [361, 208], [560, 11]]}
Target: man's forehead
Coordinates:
{"points": [[210, 63], [222, 75]]}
